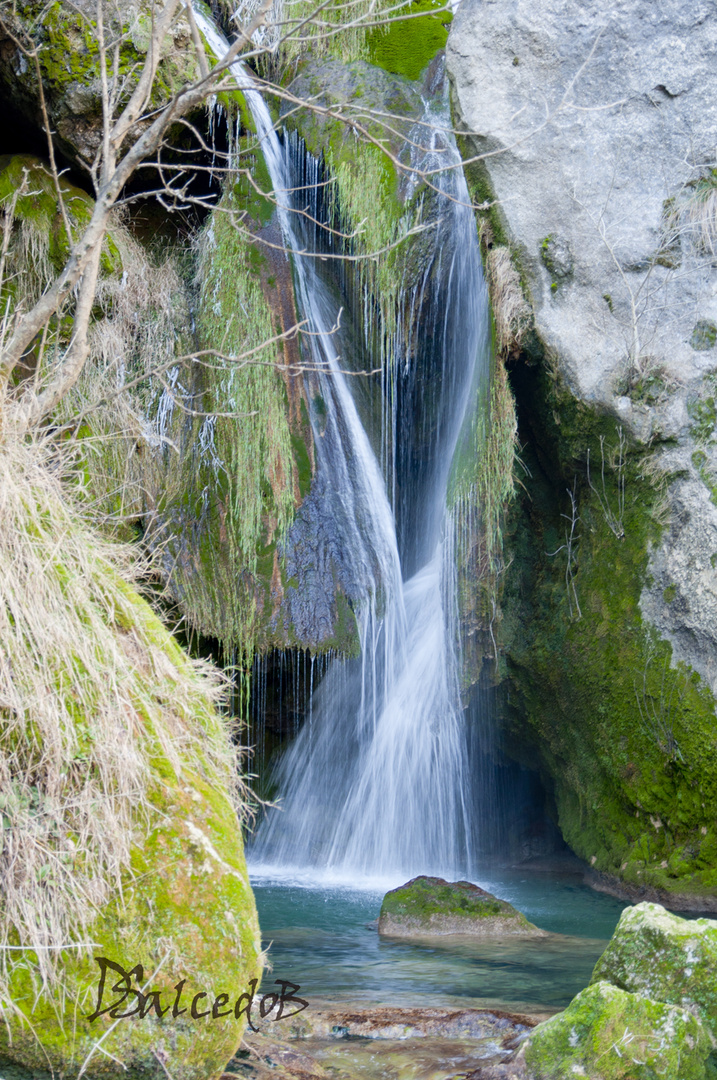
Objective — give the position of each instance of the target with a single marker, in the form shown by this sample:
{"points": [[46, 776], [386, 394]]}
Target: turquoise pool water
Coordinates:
{"points": [[321, 937]]}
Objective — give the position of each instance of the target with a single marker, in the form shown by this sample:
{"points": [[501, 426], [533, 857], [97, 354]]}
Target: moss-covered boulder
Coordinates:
{"points": [[65, 37], [608, 1034], [661, 956], [428, 906], [119, 835]]}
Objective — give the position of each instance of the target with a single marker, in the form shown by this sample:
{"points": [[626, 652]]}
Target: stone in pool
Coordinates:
{"points": [[430, 906]]}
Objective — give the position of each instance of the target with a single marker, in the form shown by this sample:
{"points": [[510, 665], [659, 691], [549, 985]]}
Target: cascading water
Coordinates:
{"points": [[377, 784]]}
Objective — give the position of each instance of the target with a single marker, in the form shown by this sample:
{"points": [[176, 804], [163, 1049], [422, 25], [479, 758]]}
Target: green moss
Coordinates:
{"points": [[39, 207], [607, 1034], [703, 413], [135, 743], [482, 194], [173, 894], [648, 389], [659, 955], [69, 55], [625, 744], [234, 493], [428, 906], [405, 47], [425, 896]]}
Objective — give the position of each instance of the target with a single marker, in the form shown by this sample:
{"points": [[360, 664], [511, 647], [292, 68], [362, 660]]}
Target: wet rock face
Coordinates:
{"points": [[428, 906], [601, 126]]}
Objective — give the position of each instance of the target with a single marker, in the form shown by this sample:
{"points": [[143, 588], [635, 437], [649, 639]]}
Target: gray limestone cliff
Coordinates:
{"points": [[593, 134]]}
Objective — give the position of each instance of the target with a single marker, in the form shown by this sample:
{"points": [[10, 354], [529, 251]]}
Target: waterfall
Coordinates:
{"points": [[377, 783]]}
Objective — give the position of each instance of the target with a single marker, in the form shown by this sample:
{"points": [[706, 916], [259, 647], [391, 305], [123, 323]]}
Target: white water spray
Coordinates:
{"points": [[377, 785]]}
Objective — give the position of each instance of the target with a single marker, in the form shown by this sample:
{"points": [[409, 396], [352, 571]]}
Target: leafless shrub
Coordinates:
{"points": [[659, 706], [569, 547]]}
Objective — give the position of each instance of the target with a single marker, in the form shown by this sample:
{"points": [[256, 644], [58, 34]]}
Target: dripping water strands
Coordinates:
{"points": [[377, 784]]}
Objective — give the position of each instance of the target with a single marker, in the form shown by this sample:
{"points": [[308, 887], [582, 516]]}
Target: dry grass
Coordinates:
{"points": [[701, 213], [658, 475], [144, 315], [92, 691], [511, 312]]}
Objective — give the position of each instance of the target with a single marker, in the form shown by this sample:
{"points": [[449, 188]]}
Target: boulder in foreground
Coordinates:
{"points": [[429, 906], [659, 955], [607, 1034]]}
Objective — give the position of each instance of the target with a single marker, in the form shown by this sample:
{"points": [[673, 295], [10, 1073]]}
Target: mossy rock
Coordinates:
{"points": [[608, 1034], [661, 956], [68, 55], [187, 913], [39, 207], [118, 811], [625, 748], [406, 46], [704, 336], [427, 906]]}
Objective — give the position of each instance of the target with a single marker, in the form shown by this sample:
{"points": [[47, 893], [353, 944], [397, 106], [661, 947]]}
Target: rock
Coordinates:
{"points": [[608, 1034], [68, 58], [427, 906], [356, 1040], [661, 956], [120, 837], [597, 126], [600, 131]]}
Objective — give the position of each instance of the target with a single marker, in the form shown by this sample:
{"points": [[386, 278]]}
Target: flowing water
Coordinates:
{"points": [[378, 780], [376, 784]]}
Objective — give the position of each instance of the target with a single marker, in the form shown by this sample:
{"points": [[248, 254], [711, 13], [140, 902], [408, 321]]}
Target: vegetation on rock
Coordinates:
{"points": [[626, 747], [119, 797], [429, 905], [650, 1009], [608, 1034]]}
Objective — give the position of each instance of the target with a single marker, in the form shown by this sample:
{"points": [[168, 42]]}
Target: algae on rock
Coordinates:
{"points": [[429, 906], [608, 1034], [626, 746], [119, 800], [659, 955], [650, 1009]]}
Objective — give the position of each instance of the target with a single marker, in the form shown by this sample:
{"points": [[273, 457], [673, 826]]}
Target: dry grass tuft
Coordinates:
{"points": [[93, 691], [143, 309], [701, 212], [511, 311]]}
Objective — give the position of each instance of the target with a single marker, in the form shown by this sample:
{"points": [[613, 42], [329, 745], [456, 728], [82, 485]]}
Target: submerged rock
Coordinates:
{"points": [[426, 906], [661, 956], [608, 1034]]}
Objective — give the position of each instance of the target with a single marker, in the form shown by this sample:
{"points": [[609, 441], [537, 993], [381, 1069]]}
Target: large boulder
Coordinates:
{"points": [[659, 955], [608, 1034], [120, 847], [596, 132], [68, 57], [428, 906]]}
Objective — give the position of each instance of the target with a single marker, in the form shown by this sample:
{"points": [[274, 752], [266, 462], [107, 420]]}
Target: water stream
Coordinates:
{"points": [[376, 785], [378, 780]]}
